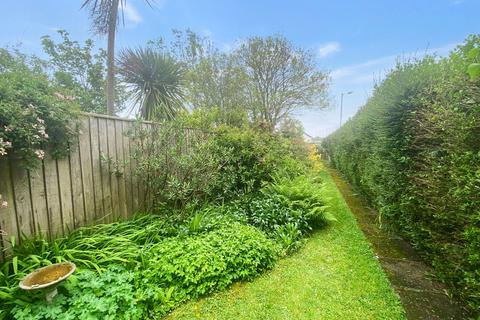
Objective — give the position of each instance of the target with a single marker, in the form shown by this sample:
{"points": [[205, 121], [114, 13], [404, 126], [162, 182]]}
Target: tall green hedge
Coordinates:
{"points": [[413, 151]]}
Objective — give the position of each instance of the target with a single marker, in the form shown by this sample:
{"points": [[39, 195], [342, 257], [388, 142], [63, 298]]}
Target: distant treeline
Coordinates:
{"points": [[413, 151]]}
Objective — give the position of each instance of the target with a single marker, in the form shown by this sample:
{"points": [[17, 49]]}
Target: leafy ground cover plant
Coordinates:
{"points": [[111, 294], [169, 271], [190, 267], [286, 210]]}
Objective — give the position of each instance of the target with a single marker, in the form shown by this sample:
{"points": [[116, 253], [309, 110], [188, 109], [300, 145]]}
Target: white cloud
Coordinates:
{"points": [[327, 49], [131, 13], [366, 71], [360, 79]]}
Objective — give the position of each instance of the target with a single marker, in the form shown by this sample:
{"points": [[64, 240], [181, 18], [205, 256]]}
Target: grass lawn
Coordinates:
{"points": [[335, 276]]}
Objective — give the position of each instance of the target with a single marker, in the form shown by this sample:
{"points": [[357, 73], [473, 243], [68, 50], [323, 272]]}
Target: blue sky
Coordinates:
{"points": [[357, 41]]}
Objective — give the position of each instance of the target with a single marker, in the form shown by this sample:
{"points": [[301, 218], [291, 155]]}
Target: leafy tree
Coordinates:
{"points": [[291, 128], [104, 15], [155, 80], [81, 70], [213, 80], [281, 78]]}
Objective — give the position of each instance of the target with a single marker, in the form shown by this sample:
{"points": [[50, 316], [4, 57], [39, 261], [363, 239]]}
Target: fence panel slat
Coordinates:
{"points": [[120, 177], [96, 169], [39, 202], [127, 172], [53, 197], [105, 170], [86, 170], [23, 205], [112, 155], [8, 220], [76, 180], [65, 189]]}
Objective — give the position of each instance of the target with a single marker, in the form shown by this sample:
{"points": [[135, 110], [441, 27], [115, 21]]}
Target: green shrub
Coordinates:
{"points": [[189, 267], [286, 210], [183, 166], [35, 115], [302, 194], [413, 151]]}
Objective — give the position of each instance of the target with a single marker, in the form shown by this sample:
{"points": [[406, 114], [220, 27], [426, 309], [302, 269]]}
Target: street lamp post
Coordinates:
{"points": [[341, 104]]}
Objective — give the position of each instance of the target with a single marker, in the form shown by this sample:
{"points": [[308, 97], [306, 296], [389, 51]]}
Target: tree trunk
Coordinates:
{"points": [[111, 59]]}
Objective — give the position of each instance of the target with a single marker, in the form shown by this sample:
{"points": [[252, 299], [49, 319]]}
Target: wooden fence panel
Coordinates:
{"points": [[22, 203], [99, 201], [53, 197], [127, 172], [76, 180], [106, 180], [8, 218], [81, 189], [119, 174], [86, 170], [39, 201]]}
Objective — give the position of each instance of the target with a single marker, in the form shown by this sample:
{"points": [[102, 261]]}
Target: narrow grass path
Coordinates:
{"points": [[335, 276], [422, 296]]}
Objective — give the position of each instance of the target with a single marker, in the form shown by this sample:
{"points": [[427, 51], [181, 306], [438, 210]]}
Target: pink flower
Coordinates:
{"points": [[40, 154]]}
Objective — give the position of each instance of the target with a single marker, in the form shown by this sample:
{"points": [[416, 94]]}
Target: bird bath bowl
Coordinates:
{"points": [[48, 278]]}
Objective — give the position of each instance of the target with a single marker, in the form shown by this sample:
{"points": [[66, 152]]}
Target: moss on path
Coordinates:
{"points": [[335, 276]]}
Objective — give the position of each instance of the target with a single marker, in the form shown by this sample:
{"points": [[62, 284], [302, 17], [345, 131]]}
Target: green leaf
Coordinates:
{"points": [[474, 53], [15, 264], [474, 70]]}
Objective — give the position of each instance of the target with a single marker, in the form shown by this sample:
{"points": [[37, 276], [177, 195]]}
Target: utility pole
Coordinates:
{"points": [[341, 104]]}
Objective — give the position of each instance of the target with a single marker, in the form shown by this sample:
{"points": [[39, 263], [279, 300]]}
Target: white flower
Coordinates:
{"points": [[3, 151], [41, 121], [4, 204], [40, 154], [7, 128]]}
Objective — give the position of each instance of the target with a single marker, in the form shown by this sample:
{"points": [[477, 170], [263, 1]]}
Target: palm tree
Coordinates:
{"points": [[104, 15], [155, 80]]}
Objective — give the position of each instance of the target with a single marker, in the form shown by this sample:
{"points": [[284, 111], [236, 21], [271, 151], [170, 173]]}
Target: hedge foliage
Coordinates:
{"points": [[414, 152]]}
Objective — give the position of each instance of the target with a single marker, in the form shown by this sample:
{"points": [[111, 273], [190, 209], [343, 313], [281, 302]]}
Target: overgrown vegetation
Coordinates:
{"points": [[413, 151], [335, 276], [226, 205], [36, 116], [190, 166]]}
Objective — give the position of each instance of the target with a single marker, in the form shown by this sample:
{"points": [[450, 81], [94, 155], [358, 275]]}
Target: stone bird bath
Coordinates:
{"points": [[48, 278]]}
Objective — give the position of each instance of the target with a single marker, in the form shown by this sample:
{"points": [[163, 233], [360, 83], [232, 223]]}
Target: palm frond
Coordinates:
{"points": [[155, 80], [101, 13]]}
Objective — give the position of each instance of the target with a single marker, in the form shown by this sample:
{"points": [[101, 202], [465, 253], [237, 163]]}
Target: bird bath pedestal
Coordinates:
{"points": [[48, 278]]}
